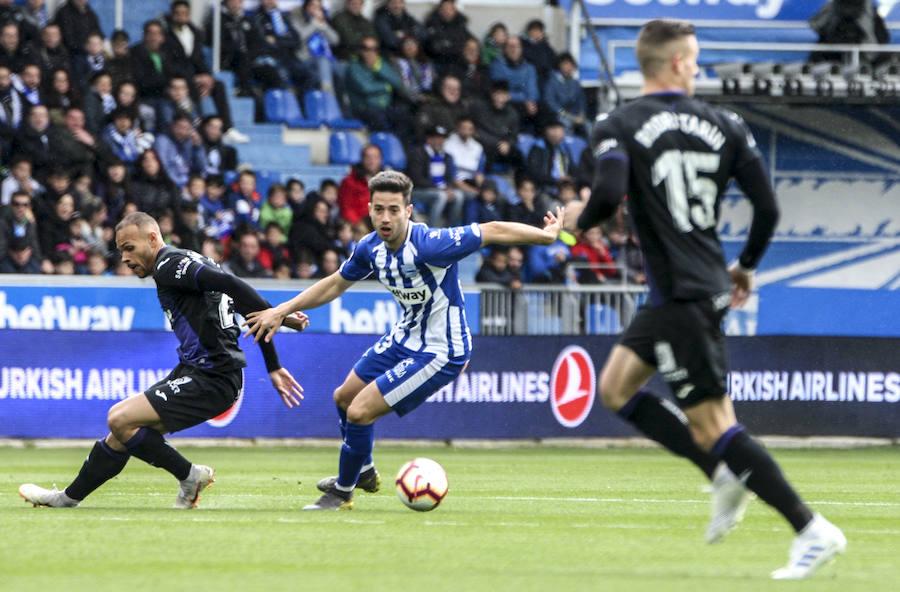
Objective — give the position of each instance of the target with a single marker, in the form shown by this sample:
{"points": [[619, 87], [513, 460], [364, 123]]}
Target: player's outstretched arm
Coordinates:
{"points": [[264, 323], [607, 191], [515, 233], [287, 386]]}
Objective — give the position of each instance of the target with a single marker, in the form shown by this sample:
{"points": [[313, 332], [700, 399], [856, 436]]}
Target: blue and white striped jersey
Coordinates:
{"points": [[422, 276]]}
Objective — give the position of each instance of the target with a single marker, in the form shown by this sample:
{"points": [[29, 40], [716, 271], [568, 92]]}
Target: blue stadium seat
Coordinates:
{"points": [[273, 104], [603, 320], [265, 178], [504, 188], [323, 108], [344, 148], [391, 149], [576, 146]]}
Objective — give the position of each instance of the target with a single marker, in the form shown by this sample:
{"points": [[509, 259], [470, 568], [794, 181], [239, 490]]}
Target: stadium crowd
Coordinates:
{"points": [[92, 128]]}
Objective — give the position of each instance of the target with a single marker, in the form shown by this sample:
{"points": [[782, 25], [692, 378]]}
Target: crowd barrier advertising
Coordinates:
{"points": [[61, 383], [698, 10], [126, 308]]}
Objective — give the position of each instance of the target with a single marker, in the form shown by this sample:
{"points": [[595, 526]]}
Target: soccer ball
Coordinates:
{"points": [[422, 484]]}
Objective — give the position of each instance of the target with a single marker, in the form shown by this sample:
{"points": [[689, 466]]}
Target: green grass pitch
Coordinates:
{"points": [[542, 519]]}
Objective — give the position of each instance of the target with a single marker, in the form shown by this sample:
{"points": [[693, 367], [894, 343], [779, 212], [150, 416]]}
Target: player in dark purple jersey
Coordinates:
{"points": [[673, 156], [199, 300]]}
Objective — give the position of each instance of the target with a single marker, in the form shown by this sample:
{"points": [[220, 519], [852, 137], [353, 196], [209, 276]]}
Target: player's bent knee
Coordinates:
{"points": [[342, 397], [611, 397], [116, 419]]}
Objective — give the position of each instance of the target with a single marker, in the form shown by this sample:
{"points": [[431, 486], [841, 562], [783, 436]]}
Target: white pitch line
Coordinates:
{"points": [[622, 500]]}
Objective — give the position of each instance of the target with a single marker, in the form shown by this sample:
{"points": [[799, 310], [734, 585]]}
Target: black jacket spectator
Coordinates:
{"points": [[537, 51], [21, 258], [446, 33], [443, 111], [392, 27], [279, 46], [18, 16], [351, 27], [35, 142], [76, 20], [474, 76], [16, 223], [418, 168], [540, 163], [152, 81], [153, 190], [13, 51], [12, 109], [241, 44], [310, 231], [51, 54]]}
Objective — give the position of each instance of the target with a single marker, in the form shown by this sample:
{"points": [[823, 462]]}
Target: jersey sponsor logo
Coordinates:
{"points": [[163, 262], [435, 234], [175, 384], [411, 296], [182, 268], [573, 383]]}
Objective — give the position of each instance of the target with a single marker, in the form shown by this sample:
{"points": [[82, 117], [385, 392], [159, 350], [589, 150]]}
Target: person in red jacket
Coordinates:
{"points": [[593, 249], [353, 192]]}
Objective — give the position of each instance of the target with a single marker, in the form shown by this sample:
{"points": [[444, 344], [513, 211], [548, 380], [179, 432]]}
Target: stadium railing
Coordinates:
{"points": [[541, 309]]}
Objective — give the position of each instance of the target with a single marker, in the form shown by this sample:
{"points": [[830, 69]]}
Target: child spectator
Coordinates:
{"points": [[215, 214], [19, 179], [154, 191], [530, 209], [305, 267], [492, 47], [276, 209], [485, 207], [98, 103], [115, 190], [296, 193], [97, 264], [63, 263], [592, 249], [496, 270], [122, 137], [329, 261], [344, 240], [273, 249], [245, 200]]}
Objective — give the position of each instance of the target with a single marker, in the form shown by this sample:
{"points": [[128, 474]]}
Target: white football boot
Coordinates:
{"points": [[729, 501], [52, 498], [813, 547], [198, 479]]}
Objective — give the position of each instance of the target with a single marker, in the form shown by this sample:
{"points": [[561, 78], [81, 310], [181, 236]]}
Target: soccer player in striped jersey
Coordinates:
{"points": [[430, 345]]}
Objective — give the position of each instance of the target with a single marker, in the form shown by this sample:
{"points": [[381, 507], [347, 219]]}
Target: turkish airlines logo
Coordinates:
{"points": [[572, 386]]}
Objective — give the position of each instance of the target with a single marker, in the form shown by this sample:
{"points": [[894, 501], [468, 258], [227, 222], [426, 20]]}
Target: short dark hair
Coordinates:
{"points": [[179, 3], [142, 220], [391, 182], [534, 24], [327, 183], [500, 85], [653, 36], [120, 35], [152, 23], [565, 57], [215, 180]]}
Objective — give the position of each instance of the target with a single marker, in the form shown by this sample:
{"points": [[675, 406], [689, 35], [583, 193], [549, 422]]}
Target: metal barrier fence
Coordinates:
{"points": [[559, 309]]}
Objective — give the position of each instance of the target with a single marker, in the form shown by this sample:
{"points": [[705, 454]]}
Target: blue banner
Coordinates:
{"points": [[100, 307], [62, 385]]}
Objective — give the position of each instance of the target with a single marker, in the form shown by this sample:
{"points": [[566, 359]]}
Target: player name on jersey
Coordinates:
{"points": [[687, 123]]}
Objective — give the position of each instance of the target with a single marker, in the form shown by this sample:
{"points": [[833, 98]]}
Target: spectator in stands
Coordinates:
{"points": [[497, 128], [34, 16], [328, 191], [371, 83], [19, 179], [353, 192], [592, 249], [144, 116], [496, 270], [276, 209], [344, 240], [97, 264], [394, 24], [305, 268], [492, 47], [522, 77], [273, 251], [530, 209], [90, 225], [329, 262], [195, 189], [184, 42], [63, 263], [51, 53], [76, 148], [214, 249], [445, 110], [468, 155], [244, 261], [849, 21], [11, 110], [32, 141], [550, 161], [53, 229], [10, 12], [122, 138], [187, 226], [296, 192], [351, 26], [154, 191], [537, 51], [317, 37], [280, 44], [216, 215], [17, 221], [59, 181], [20, 258], [435, 183], [445, 34], [486, 207], [565, 98], [153, 65], [311, 232], [115, 190], [28, 83], [60, 94], [566, 193], [181, 150], [474, 76], [416, 72], [242, 48], [177, 100], [245, 199], [219, 156], [120, 65], [98, 103], [13, 52], [91, 61], [76, 20]]}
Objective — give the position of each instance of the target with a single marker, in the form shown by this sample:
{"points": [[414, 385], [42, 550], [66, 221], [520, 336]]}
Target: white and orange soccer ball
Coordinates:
{"points": [[422, 484]]}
